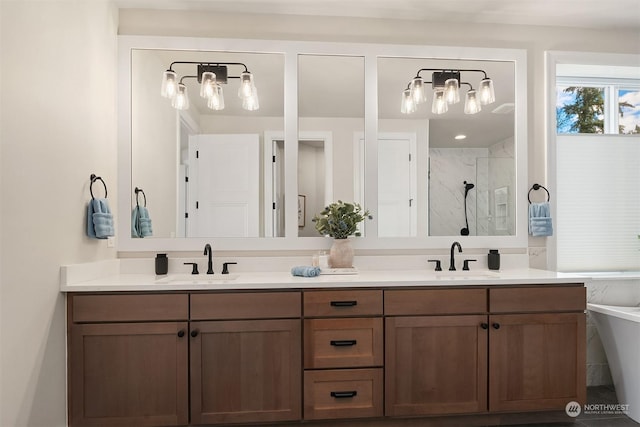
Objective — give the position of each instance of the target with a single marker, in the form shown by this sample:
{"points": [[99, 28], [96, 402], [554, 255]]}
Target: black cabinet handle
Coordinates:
{"points": [[180, 333], [194, 333], [343, 343], [344, 303], [484, 325], [496, 325], [343, 394]]}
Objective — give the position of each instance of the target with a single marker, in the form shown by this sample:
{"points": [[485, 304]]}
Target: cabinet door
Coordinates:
{"points": [[536, 361], [245, 371], [126, 374], [435, 365]]}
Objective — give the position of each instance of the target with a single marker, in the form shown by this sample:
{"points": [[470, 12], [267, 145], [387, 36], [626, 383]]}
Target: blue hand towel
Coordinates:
{"points": [[140, 222], [540, 219], [99, 219], [305, 271]]}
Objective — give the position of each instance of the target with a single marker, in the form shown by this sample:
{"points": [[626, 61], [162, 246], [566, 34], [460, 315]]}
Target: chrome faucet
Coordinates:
{"points": [[207, 251], [452, 262]]}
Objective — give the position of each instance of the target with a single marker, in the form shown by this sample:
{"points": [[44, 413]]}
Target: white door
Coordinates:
{"points": [[396, 188], [224, 185]]}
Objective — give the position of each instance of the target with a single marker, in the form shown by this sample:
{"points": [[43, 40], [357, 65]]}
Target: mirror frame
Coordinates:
{"points": [[291, 50]]}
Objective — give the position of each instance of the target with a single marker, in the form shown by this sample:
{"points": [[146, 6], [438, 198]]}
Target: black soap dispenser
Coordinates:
{"points": [[162, 264], [494, 259]]}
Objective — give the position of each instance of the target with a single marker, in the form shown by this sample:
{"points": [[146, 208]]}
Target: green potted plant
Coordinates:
{"points": [[340, 220]]}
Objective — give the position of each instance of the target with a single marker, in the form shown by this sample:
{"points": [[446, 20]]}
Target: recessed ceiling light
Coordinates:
{"points": [[460, 137]]}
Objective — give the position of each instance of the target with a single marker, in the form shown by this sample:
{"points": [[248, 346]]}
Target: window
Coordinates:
{"points": [[629, 111], [597, 106]]}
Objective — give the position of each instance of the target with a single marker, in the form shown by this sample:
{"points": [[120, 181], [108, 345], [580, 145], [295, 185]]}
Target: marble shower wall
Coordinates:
{"points": [[488, 169]]}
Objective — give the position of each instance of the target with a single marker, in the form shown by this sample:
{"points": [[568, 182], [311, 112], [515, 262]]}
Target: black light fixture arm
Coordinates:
{"points": [[246, 70], [451, 71]]}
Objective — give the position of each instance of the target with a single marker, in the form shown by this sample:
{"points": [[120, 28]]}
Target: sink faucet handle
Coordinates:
{"points": [[438, 265], [194, 269], [225, 267], [465, 264]]}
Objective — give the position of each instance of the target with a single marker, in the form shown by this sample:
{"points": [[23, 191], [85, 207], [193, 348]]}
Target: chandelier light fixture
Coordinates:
{"points": [[211, 76], [445, 85]]}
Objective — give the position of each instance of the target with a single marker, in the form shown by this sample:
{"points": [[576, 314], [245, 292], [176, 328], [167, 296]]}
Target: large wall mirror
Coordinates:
{"points": [[447, 171], [327, 125]]}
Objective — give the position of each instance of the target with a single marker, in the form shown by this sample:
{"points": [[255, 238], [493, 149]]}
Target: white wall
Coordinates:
{"points": [[58, 104]]}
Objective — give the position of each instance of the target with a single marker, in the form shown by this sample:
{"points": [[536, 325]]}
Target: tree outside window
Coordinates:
{"points": [[585, 109]]}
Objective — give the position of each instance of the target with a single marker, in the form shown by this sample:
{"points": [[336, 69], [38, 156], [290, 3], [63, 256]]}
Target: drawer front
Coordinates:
{"points": [[249, 305], [538, 299], [343, 343], [345, 393], [127, 308], [342, 303], [434, 301]]}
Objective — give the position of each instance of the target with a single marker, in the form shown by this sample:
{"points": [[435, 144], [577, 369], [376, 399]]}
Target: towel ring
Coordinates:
{"points": [[537, 187], [95, 178], [139, 190]]}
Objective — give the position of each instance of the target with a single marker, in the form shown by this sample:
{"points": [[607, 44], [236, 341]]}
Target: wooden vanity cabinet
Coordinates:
{"points": [[343, 354], [524, 344], [537, 343], [245, 357], [436, 351], [128, 360]]}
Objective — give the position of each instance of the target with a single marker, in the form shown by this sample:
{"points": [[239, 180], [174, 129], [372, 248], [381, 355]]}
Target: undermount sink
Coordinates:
{"points": [[196, 279]]}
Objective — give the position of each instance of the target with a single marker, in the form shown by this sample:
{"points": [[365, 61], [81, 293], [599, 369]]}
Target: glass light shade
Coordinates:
{"points": [[216, 100], [472, 103], [487, 95], [452, 91], [169, 84], [181, 100], [206, 84], [408, 105], [246, 85], [417, 90], [251, 103], [439, 104]]}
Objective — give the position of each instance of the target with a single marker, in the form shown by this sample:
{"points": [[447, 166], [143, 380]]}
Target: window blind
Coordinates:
{"points": [[598, 203]]}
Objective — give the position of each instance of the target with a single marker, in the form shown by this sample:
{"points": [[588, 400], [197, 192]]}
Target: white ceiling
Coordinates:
{"points": [[595, 14]]}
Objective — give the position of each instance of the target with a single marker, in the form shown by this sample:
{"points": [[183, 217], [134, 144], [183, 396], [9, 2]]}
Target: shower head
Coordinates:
{"points": [[468, 186]]}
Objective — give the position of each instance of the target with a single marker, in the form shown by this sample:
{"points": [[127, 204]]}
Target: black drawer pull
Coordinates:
{"points": [[343, 343], [344, 303], [343, 394]]}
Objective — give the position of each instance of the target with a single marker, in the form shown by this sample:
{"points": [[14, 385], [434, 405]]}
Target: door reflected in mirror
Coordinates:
{"points": [[459, 178], [330, 123], [204, 165]]}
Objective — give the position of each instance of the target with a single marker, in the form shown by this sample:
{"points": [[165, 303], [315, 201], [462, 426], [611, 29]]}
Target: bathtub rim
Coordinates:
{"points": [[630, 313]]}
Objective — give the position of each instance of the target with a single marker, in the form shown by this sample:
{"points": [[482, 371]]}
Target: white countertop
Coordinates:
{"points": [[109, 279]]}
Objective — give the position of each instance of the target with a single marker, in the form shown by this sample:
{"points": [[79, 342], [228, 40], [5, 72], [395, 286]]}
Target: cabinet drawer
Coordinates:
{"points": [[343, 343], [434, 301], [342, 303], [249, 305], [127, 308], [346, 393], [538, 299]]}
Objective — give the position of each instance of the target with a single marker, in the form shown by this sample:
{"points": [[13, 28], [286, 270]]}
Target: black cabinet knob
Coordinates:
{"points": [[484, 325], [496, 325], [194, 333], [180, 333]]}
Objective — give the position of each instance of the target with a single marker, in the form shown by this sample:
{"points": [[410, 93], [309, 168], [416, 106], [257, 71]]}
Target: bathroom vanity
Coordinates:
{"points": [[374, 345]]}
